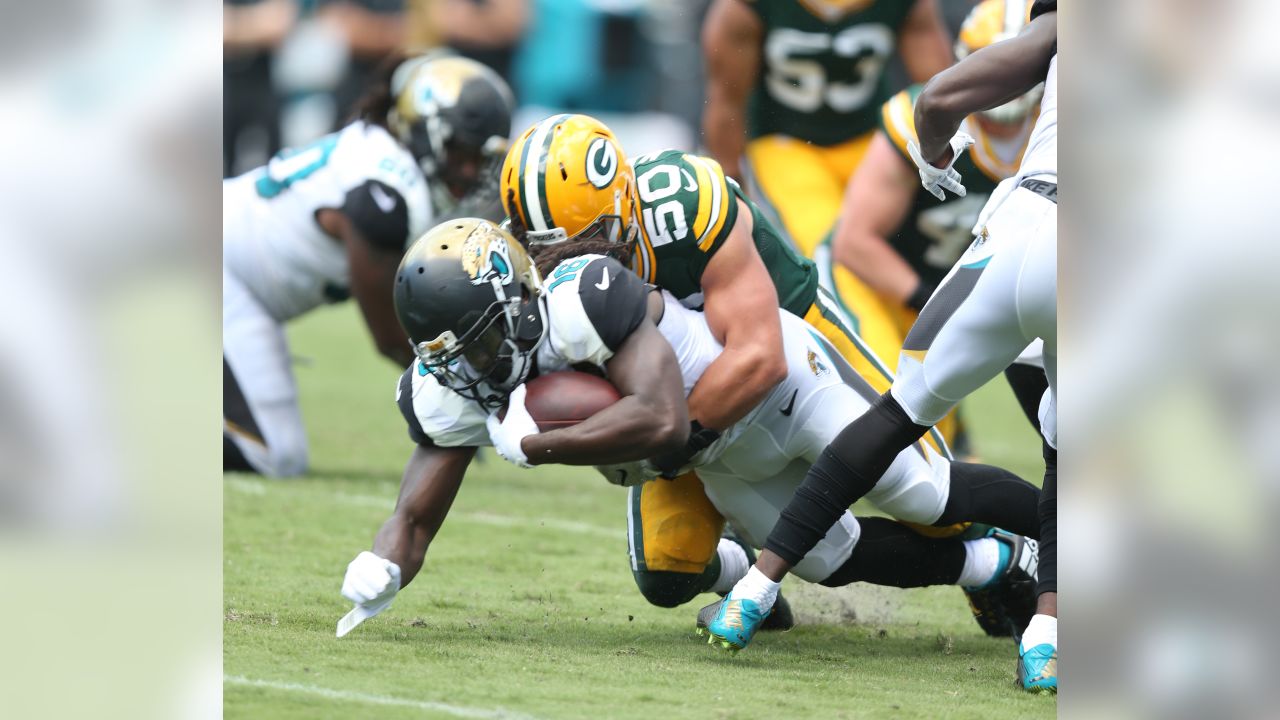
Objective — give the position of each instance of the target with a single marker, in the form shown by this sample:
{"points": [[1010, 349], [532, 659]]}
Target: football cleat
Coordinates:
{"points": [[1038, 668], [1004, 606], [731, 622], [780, 620]]}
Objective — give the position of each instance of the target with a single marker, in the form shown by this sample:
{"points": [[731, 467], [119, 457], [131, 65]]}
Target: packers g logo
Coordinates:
{"points": [[602, 162], [485, 257]]}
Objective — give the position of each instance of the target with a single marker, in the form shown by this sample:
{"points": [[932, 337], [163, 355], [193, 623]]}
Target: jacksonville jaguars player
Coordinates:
{"points": [[483, 321], [330, 220], [1001, 295]]}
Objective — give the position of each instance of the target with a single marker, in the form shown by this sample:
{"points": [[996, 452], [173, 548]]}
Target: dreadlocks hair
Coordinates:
{"points": [[546, 257], [376, 103]]}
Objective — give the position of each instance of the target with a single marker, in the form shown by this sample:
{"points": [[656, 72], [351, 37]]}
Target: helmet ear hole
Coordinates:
{"points": [[564, 174]]}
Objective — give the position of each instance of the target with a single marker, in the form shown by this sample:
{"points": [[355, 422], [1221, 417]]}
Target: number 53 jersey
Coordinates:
{"points": [[822, 71], [272, 240]]}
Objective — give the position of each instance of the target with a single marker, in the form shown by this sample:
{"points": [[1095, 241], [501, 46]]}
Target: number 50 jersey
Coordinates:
{"points": [[272, 240]]}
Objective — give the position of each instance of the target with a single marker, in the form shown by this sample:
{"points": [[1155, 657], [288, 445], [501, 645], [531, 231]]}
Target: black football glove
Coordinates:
{"points": [[700, 438]]}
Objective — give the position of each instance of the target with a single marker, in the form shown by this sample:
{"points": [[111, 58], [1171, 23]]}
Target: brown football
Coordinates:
{"points": [[561, 399]]}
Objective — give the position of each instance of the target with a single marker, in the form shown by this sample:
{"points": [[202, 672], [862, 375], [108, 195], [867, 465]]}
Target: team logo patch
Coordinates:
{"points": [[816, 366], [485, 257], [602, 162]]}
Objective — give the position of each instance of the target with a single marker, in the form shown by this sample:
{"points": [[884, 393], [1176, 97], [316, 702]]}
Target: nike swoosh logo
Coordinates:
{"points": [[385, 202], [792, 404], [604, 282]]}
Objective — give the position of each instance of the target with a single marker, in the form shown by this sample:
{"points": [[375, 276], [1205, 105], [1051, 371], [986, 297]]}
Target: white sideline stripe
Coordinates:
{"points": [[370, 699], [255, 487]]}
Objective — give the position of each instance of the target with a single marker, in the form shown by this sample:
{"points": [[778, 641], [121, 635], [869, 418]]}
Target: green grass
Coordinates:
{"points": [[526, 604]]}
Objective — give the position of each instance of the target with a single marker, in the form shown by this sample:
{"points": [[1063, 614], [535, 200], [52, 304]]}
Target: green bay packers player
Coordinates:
{"points": [[331, 220], [894, 242], [794, 86], [687, 228], [484, 320]]}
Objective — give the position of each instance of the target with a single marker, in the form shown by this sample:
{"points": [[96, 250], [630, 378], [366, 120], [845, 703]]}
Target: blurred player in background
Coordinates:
{"points": [[484, 321], [331, 220], [1000, 295], [900, 241]]}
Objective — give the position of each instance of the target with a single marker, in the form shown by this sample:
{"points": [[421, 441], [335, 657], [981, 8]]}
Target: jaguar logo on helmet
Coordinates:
{"points": [[485, 257], [602, 162]]}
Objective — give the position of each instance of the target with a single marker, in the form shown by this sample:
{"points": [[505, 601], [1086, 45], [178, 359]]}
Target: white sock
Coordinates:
{"points": [[755, 586], [733, 565], [1042, 630], [981, 560]]}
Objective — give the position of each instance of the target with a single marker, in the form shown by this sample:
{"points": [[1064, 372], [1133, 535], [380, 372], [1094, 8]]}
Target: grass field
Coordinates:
{"points": [[526, 606]]}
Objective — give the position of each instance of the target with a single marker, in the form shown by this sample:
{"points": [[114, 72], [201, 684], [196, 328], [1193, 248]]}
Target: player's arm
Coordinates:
{"points": [[430, 482], [875, 205], [741, 307], [731, 38], [985, 79], [923, 42], [650, 419], [373, 225]]}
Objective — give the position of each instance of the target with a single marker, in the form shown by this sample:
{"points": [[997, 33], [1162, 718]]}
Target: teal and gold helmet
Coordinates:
{"points": [[472, 303], [454, 115]]}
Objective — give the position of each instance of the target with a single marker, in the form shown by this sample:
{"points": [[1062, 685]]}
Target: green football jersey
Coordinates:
{"points": [[936, 232], [822, 72], [687, 209]]}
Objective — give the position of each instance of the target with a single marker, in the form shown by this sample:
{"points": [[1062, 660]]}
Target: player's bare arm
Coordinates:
{"points": [[731, 38], [373, 271], [875, 203], [650, 419], [985, 79], [923, 43], [741, 305], [430, 482]]}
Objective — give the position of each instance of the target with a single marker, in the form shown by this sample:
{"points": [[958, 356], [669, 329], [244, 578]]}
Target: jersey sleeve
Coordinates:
{"points": [[595, 303], [687, 210], [437, 415], [897, 119], [379, 213]]}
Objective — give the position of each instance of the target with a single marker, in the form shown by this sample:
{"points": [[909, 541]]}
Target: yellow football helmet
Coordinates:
{"points": [[567, 178], [988, 23]]}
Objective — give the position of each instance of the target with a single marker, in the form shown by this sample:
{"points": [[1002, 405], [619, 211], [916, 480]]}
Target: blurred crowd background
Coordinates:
{"points": [[293, 68]]}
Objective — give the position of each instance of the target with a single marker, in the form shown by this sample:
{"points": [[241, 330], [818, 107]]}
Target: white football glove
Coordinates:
{"points": [[934, 179], [518, 424], [371, 583]]}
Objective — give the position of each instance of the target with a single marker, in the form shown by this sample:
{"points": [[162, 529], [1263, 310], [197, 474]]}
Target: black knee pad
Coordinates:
{"points": [[669, 589], [1048, 573]]}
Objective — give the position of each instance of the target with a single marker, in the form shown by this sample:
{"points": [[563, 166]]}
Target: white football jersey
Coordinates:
{"points": [[271, 240], [1041, 156]]}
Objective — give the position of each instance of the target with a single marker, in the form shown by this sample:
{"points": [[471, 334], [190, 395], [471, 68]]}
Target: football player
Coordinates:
{"points": [[692, 231], [894, 242], [483, 321], [329, 220], [1000, 295]]}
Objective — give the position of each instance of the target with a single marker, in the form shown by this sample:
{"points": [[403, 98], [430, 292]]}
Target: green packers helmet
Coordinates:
{"points": [[454, 115], [472, 303]]}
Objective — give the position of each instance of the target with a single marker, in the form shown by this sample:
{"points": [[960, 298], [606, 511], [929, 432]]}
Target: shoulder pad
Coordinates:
{"points": [[381, 158], [687, 209], [594, 303], [897, 119]]}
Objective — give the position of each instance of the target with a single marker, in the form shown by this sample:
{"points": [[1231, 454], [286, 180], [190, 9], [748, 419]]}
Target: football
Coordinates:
{"points": [[561, 399]]}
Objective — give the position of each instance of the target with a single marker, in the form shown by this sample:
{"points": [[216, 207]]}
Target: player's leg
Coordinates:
{"points": [[674, 539], [968, 332], [262, 426], [791, 181]]}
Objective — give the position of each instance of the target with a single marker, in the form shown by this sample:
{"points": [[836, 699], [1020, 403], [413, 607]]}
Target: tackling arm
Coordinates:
{"points": [[875, 205], [986, 79], [731, 39], [741, 307], [649, 419], [430, 482]]}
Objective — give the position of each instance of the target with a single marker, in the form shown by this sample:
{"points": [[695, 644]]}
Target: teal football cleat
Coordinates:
{"points": [[732, 622], [1038, 669]]}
